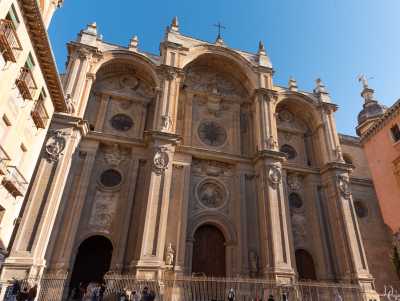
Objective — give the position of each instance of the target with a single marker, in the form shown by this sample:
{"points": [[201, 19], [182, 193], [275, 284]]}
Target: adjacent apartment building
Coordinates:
{"points": [[30, 92], [379, 129]]}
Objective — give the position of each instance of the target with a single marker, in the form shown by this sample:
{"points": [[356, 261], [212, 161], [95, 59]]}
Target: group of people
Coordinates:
{"points": [[94, 291], [18, 291], [133, 295]]}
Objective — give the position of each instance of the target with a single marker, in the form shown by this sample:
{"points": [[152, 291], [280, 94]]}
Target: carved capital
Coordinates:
{"points": [[170, 73], [263, 94]]}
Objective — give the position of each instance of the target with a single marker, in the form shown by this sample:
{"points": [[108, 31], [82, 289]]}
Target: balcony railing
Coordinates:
{"points": [[15, 182], [10, 45], [26, 84], [4, 159], [39, 114]]}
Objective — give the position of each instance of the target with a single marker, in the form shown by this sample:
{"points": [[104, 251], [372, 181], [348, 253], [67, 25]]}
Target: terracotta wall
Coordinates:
{"points": [[381, 151]]}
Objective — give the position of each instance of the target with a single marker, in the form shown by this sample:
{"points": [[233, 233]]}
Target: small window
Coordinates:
{"points": [[121, 122], [289, 151], [361, 209], [295, 201], [395, 132], [12, 16], [110, 178], [30, 63]]}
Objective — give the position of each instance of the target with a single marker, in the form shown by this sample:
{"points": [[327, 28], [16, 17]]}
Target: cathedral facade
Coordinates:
{"points": [[193, 162]]}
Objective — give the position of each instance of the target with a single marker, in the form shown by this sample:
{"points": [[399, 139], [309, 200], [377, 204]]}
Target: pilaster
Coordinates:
{"points": [[275, 257]]}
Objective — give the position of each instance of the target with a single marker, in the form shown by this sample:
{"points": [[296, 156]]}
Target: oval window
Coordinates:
{"points": [[121, 122], [289, 151], [110, 178], [295, 201]]}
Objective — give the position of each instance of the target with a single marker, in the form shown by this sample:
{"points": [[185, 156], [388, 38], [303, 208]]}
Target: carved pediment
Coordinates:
{"points": [[213, 83], [125, 86]]}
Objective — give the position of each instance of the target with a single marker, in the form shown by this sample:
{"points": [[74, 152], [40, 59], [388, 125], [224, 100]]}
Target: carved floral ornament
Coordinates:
{"points": [[211, 194], [343, 185], [55, 145], [274, 175], [160, 160]]}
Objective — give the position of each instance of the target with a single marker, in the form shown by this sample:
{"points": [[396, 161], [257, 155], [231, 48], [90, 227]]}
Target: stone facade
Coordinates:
{"points": [[31, 92], [159, 149]]}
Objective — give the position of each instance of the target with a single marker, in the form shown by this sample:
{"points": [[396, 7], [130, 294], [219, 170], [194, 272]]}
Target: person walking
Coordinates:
{"points": [[231, 295], [271, 298], [32, 293]]}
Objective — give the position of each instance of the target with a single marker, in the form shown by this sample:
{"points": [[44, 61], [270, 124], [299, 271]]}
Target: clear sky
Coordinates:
{"points": [[332, 39]]}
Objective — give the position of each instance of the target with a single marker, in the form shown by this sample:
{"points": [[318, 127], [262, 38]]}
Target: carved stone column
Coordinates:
{"points": [[101, 114], [348, 246], [264, 119], [167, 109], [73, 211], [275, 258], [152, 250]]}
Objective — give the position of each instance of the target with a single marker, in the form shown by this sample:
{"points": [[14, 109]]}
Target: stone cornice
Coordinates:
{"points": [[71, 121], [349, 140], [41, 44], [390, 113], [164, 136], [338, 166], [270, 154]]}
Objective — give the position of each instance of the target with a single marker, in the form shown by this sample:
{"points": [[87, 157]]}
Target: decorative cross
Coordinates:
{"points": [[220, 26]]}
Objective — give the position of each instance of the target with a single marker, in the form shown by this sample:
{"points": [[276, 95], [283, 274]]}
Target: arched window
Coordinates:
{"points": [[305, 265], [289, 151]]}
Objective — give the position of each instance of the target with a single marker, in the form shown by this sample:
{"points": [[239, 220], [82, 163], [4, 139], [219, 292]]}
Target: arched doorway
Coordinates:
{"points": [[209, 252], [92, 261], [305, 265]]}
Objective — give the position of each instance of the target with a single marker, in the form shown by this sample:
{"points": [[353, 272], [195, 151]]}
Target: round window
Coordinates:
{"points": [[211, 133], [289, 151], [361, 209], [295, 201], [121, 122], [110, 178]]}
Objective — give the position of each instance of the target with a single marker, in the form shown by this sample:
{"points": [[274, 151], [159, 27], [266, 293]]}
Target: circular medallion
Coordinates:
{"points": [[211, 133], [55, 145], [289, 151], [274, 175], [121, 122], [211, 194], [110, 178]]}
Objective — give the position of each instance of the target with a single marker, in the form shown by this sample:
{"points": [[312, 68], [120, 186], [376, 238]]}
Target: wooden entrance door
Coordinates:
{"points": [[305, 265], [209, 252]]}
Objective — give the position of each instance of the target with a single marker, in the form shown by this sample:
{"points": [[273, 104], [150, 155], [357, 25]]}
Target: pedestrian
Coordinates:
{"points": [[231, 295], [102, 290], [152, 296], [15, 289], [32, 293], [338, 297], [22, 295], [145, 294], [271, 298], [135, 296]]}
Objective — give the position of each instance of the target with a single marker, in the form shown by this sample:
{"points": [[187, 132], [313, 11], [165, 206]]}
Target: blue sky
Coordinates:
{"points": [[332, 39]]}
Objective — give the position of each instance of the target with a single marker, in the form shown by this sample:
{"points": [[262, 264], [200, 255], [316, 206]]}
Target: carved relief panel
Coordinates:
{"points": [[215, 105], [125, 99], [211, 184], [292, 138]]}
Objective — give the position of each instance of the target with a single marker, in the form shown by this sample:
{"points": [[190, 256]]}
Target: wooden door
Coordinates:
{"points": [[209, 252], [305, 265]]}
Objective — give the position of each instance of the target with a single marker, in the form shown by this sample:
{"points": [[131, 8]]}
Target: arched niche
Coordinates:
{"points": [[216, 89], [124, 91], [305, 265], [297, 121]]}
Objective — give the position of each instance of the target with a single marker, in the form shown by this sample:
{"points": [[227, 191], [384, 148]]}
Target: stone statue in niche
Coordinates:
{"points": [[253, 263], [55, 145], [170, 256], [166, 123], [271, 143], [299, 228]]}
